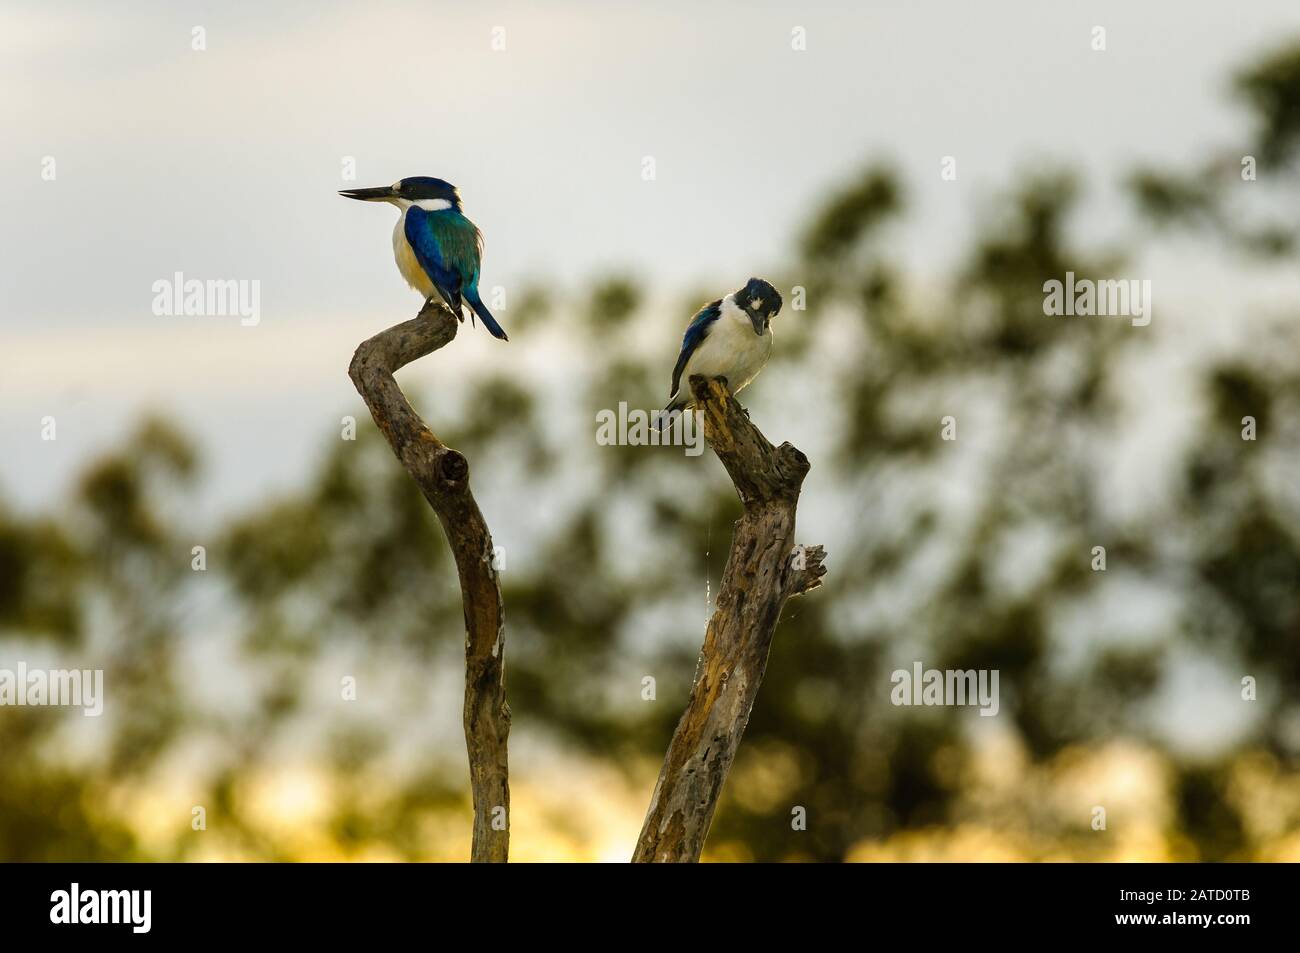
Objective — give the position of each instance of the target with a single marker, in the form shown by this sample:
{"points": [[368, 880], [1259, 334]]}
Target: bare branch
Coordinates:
{"points": [[764, 569], [442, 475]]}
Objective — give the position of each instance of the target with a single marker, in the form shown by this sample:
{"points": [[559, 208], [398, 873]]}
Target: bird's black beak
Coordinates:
{"points": [[381, 194], [759, 322]]}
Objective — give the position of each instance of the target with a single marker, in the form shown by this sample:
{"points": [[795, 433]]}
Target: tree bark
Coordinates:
{"points": [[442, 475], [763, 570]]}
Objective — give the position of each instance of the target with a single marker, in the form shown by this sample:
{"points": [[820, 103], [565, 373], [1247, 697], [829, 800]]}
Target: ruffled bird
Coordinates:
{"points": [[729, 338], [438, 249]]}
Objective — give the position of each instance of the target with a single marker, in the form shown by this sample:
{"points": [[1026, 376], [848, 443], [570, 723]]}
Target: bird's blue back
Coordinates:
{"points": [[696, 332], [448, 247]]}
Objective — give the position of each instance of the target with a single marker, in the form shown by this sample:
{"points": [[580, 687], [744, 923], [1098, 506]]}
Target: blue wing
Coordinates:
{"points": [[447, 245], [696, 332]]}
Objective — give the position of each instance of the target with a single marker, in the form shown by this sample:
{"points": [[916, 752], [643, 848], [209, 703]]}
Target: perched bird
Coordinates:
{"points": [[729, 338], [437, 248]]}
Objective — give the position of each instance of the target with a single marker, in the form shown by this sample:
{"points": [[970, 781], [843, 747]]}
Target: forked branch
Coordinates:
{"points": [[764, 569]]}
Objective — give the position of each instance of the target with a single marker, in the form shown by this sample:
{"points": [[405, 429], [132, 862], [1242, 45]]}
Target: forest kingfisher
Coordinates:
{"points": [[730, 338], [437, 248]]}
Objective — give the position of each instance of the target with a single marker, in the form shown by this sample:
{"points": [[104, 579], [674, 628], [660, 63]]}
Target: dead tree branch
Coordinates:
{"points": [[442, 475], [764, 569]]}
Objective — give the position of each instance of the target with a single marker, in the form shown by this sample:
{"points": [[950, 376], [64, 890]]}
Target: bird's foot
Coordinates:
{"points": [[438, 304]]}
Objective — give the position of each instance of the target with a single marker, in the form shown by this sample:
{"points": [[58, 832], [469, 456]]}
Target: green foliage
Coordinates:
{"points": [[1272, 88], [852, 214], [613, 301], [929, 559]]}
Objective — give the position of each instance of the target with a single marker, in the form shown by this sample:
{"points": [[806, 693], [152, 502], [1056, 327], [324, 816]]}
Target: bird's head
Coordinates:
{"points": [[760, 301], [428, 193]]}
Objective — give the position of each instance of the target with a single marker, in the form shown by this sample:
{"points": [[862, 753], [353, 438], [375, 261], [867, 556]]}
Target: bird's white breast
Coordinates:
{"points": [[731, 349]]}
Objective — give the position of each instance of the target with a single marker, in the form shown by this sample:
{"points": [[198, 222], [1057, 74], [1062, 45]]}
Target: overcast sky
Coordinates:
{"points": [[223, 163]]}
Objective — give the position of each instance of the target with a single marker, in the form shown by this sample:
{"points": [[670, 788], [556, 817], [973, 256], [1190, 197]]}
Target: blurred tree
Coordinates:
{"points": [[974, 553]]}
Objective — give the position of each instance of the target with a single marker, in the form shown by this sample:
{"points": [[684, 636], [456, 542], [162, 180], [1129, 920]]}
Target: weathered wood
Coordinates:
{"points": [[442, 475], [763, 570]]}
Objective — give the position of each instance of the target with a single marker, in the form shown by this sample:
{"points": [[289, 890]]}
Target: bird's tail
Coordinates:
{"points": [[481, 310]]}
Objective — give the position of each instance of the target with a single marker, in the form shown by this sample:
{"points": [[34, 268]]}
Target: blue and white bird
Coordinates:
{"points": [[730, 338], [438, 249]]}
